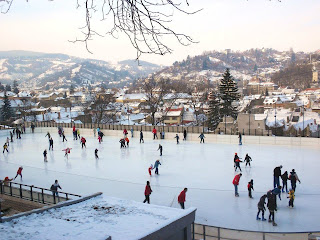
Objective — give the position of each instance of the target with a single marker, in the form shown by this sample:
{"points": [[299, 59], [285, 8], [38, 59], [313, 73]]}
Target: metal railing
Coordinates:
{"points": [[205, 232], [32, 193]]}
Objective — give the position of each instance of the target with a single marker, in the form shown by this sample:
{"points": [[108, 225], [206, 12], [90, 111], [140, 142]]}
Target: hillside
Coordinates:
{"points": [[37, 70]]}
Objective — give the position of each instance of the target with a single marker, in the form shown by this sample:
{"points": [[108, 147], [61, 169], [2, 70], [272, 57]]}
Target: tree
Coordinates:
{"points": [[71, 89], [255, 68], [214, 115], [1, 87], [103, 109], [8, 87], [15, 87], [229, 94], [6, 109]]}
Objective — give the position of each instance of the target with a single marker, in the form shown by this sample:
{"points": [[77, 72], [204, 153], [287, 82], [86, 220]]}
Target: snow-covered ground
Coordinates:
{"points": [[93, 219], [206, 169]]}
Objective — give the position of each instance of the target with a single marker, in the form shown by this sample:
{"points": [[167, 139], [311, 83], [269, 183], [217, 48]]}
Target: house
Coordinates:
{"points": [[130, 98]]}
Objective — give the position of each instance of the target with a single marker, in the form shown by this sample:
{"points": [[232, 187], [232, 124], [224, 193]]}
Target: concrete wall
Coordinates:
{"points": [[177, 230], [210, 138]]}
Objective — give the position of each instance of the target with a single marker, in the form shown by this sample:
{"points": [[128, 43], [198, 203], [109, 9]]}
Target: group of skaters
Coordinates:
{"points": [[271, 195]]}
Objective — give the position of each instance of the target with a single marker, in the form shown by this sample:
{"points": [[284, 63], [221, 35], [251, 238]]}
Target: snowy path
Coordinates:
{"points": [[206, 169]]}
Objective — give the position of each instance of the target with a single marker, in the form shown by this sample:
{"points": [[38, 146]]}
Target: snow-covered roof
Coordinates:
{"points": [[133, 96], [8, 93]]}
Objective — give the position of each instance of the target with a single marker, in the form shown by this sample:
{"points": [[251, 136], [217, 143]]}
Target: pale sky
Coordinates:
{"points": [[46, 26]]}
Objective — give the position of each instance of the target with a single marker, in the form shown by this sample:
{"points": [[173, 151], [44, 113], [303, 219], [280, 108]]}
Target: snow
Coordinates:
{"points": [[206, 169], [93, 219]]}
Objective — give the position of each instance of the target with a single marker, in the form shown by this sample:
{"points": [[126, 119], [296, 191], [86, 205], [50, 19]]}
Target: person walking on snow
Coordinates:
{"points": [[261, 207], [45, 155], [67, 151], [150, 169], [177, 137], [240, 139], [184, 135], [291, 197], [250, 186], [182, 197], [202, 137], [5, 147], [147, 193], [160, 148], [83, 142], [285, 178], [156, 166], [19, 172], [235, 183], [96, 153], [276, 176], [154, 131], [247, 160], [141, 136], [51, 144], [294, 178]]}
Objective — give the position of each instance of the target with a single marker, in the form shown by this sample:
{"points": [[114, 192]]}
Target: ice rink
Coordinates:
{"points": [[206, 169]]}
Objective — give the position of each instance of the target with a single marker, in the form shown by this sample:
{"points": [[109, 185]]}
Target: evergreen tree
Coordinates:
{"points": [[6, 109], [71, 89], [214, 115], [1, 87], [229, 94], [15, 87], [8, 87], [255, 68]]}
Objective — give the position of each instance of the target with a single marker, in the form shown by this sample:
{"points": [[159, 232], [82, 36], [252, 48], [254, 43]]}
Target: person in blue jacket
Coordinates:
{"points": [[156, 166], [201, 138]]}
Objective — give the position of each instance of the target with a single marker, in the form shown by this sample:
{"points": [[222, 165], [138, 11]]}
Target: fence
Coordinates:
{"points": [[204, 232], [169, 129], [32, 193]]}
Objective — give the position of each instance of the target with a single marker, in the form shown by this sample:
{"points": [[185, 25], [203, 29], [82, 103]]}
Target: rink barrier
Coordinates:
{"points": [[205, 232], [46, 208], [32, 193], [209, 138]]}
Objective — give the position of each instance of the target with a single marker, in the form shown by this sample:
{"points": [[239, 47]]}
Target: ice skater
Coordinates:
{"points": [[5, 148], [285, 178], [156, 166], [240, 139], [67, 151], [250, 187], [11, 136], [99, 139], [277, 191], [247, 160], [19, 172], [261, 207], [78, 132], [294, 178], [83, 142], [45, 155], [54, 188], [8, 141], [100, 133], [272, 206], [125, 133], [131, 130], [141, 137], [154, 131], [127, 141], [96, 153], [51, 144], [291, 197], [147, 193], [160, 148], [48, 134], [202, 137], [276, 176], [237, 165], [235, 183], [122, 143], [236, 157], [184, 135], [182, 197], [177, 138], [150, 170], [64, 137]]}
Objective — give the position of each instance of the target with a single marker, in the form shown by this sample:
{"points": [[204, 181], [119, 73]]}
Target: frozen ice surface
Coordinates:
{"points": [[206, 169]]}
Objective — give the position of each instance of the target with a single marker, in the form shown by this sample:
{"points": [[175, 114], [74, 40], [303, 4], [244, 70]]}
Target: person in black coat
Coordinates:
{"points": [[284, 178], [276, 176], [261, 207], [247, 160], [160, 148], [294, 178], [272, 206], [141, 137], [184, 135]]}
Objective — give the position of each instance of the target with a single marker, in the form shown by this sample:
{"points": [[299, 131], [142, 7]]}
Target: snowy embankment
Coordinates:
{"points": [[96, 218]]}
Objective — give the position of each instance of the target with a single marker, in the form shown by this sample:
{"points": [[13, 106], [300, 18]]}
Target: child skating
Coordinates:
{"points": [[156, 166], [261, 207], [250, 187], [83, 142], [96, 153], [51, 144], [237, 164], [160, 148], [247, 160], [99, 139], [127, 141], [45, 155], [5, 148], [19, 172], [291, 197], [150, 170], [177, 138], [67, 151]]}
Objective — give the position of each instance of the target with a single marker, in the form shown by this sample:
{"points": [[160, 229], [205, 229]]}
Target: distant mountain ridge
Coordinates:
{"points": [[36, 69]]}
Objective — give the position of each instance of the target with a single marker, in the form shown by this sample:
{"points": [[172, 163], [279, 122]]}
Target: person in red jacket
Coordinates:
{"points": [[150, 169], [182, 197], [127, 141], [19, 172], [154, 131], [83, 142], [235, 182], [147, 193]]}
